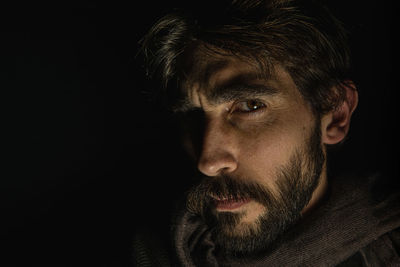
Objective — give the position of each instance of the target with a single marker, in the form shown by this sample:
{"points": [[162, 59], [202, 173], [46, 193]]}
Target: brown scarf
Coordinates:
{"points": [[351, 218]]}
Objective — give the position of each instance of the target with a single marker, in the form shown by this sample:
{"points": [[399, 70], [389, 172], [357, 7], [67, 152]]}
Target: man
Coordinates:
{"points": [[263, 89]]}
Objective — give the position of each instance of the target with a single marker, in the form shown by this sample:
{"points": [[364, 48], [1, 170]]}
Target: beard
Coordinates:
{"points": [[296, 181]]}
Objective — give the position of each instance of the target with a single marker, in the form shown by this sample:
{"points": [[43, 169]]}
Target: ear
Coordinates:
{"points": [[335, 124]]}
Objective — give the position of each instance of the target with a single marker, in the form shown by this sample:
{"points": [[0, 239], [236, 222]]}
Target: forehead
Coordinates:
{"points": [[224, 77], [205, 70]]}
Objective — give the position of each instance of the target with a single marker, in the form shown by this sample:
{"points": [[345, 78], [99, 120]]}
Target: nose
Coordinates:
{"points": [[218, 153]]}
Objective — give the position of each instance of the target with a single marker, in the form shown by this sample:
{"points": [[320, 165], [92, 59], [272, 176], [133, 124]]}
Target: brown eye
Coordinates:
{"points": [[249, 105]]}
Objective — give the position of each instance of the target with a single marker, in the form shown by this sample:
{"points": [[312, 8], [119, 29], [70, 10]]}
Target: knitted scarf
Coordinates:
{"points": [[351, 217]]}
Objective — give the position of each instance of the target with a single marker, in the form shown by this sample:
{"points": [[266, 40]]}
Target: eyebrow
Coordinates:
{"points": [[240, 86], [236, 91], [228, 93]]}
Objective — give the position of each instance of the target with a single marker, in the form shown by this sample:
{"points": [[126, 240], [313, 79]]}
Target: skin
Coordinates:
{"points": [[251, 134]]}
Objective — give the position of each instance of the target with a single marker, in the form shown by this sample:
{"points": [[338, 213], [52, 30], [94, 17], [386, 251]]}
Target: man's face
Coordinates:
{"points": [[259, 152]]}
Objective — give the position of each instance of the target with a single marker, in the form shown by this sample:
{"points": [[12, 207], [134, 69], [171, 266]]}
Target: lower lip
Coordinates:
{"points": [[228, 205]]}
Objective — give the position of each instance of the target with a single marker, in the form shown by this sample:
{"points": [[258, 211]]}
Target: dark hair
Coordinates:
{"points": [[302, 36]]}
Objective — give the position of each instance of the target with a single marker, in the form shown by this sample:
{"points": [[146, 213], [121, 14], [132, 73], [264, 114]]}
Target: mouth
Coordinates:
{"points": [[229, 204]]}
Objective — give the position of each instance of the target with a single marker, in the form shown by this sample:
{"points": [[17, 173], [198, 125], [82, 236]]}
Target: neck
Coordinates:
{"points": [[318, 193]]}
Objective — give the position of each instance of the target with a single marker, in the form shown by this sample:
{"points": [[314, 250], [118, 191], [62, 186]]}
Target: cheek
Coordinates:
{"points": [[269, 148], [262, 156]]}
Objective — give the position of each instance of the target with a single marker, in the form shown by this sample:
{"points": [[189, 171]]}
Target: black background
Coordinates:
{"points": [[86, 158]]}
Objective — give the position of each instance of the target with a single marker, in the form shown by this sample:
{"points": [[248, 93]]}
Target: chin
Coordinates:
{"points": [[250, 231]]}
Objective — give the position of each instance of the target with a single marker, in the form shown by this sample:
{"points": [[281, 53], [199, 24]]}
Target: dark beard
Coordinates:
{"points": [[296, 182]]}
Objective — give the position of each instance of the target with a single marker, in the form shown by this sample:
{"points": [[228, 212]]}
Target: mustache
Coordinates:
{"points": [[209, 189]]}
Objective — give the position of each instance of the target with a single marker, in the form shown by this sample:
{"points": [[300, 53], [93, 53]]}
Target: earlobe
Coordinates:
{"points": [[336, 124]]}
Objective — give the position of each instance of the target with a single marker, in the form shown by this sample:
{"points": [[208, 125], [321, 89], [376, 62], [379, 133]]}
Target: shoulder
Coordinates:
{"points": [[381, 195], [383, 251]]}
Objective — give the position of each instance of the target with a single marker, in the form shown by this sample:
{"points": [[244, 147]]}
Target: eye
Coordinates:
{"points": [[247, 106]]}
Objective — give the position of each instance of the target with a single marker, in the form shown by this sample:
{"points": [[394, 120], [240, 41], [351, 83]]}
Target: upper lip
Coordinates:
{"points": [[226, 199], [214, 197]]}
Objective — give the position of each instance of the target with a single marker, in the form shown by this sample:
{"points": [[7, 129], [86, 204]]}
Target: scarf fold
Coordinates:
{"points": [[347, 221]]}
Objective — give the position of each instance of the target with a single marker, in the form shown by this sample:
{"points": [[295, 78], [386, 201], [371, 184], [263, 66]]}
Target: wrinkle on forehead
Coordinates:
{"points": [[204, 64], [206, 75]]}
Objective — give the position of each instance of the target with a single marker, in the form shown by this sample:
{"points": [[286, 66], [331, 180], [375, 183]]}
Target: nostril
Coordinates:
{"points": [[217, 163]]}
